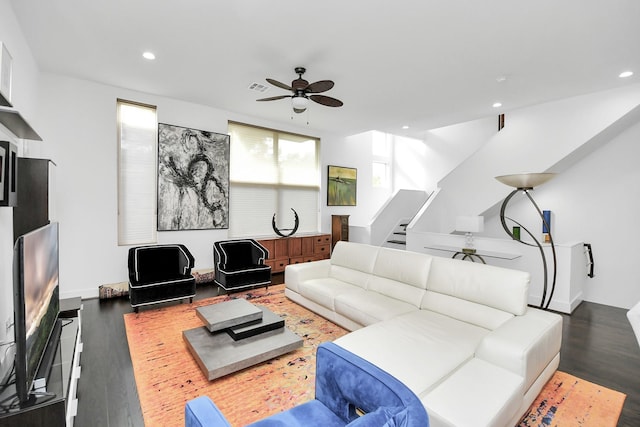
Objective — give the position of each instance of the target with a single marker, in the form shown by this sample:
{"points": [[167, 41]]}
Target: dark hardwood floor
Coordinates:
{"points": [[598, 346]]}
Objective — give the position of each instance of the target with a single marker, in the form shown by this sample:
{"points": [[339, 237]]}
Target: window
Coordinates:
{"points": [[137, 152], [272, 172], [379, 174], [380, 166]]}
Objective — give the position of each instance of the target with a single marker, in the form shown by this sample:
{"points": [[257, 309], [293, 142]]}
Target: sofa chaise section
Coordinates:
{"points": [[459, 334]]}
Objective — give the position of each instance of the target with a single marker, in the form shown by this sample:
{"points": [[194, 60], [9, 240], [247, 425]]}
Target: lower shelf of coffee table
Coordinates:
{"points": [[218, 354]]}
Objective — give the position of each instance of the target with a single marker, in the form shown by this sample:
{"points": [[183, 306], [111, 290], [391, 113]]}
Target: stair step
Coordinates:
{"points": [[401, 233], [397, 242]]}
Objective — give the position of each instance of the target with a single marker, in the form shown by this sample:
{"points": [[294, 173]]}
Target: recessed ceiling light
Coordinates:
{"points": [[405, 127], [149, 55], [625, 74], [497, 104]]}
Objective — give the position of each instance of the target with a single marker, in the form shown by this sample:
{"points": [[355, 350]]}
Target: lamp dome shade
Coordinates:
{"points": [[525, 180], [299, 103]]}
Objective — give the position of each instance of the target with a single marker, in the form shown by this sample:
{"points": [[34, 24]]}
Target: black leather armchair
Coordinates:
{"points": [[160, 273], [240, 264]]}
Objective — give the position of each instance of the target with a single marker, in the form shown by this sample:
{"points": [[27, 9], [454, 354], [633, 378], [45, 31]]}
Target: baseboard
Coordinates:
{"points": [[566, 307], [87, 293]]}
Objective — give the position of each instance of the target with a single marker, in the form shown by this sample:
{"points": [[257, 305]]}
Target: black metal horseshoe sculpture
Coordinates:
{"points": [[293, 230]]}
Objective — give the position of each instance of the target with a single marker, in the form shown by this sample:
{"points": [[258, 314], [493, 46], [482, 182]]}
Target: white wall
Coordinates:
{"points": [[415, 165], [592, 141], [79, 128], [550, 136], [449, 146], [595, 201], [24, 89], [353, 152], [77, 121]]}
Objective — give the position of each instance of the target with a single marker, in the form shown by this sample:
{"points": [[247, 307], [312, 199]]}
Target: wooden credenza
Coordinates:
{"points": [[339, 229], [296, 249]]}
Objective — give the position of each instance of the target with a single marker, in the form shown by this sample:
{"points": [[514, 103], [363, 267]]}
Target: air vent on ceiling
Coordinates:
{"points": [[258, 87]]}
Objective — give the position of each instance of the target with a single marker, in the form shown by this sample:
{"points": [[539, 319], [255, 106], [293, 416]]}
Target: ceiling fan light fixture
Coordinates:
{"points": [[299, 103], [303, 92]]}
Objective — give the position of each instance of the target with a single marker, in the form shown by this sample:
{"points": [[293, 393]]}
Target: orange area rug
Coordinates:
{"points": [[570, 401], [167, 376]]}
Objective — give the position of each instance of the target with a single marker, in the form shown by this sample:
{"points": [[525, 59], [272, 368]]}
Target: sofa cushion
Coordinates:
{"points": [[295, 274], [420, 348], [300, 416], [496, 287], [369, 307], [351, 276], [356, 256], [324, 291], [158, 263], [237, 254], [467, 311], [381, 417], [489, 396], [411, 268], [396, 290]]}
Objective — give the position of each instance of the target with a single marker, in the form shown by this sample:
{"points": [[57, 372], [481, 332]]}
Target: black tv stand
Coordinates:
{"points": [[58, 405]]}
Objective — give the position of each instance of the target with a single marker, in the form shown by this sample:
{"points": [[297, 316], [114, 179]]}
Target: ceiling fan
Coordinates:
{"points": [[303, 92]]}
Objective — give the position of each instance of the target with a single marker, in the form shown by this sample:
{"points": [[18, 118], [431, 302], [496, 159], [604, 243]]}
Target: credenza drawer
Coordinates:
{"points": [[322, 240], [277, 265], [301, 259], [322, 249]]}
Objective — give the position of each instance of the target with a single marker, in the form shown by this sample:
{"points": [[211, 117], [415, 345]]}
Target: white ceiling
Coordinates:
{"points": [[423, 64]]}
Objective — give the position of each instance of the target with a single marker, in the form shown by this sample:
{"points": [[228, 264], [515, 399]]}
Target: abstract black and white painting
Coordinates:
{"points": [[193, 179]]}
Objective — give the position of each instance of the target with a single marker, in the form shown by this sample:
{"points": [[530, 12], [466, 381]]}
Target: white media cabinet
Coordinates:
{"points": [[59, 407]]}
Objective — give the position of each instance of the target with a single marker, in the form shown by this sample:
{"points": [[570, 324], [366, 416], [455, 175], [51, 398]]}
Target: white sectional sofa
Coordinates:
{"points": [[458, 333]]}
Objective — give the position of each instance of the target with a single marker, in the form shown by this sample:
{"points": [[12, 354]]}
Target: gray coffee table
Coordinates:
{"points": [[237, 335]]}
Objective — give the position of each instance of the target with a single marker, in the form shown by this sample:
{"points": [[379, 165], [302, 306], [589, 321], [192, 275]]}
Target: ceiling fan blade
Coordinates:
{"points": [[280, 85], [274, 98], [321, 86], [326, 100]]}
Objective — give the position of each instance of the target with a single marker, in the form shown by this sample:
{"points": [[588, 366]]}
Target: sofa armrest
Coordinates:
{"points": [[525, 344], [202, 412], [294, 274]]}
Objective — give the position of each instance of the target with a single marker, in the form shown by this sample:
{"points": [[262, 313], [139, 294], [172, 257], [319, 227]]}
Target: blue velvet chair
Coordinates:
{"points": [[240, 264], [160, 273], [349, 392]]}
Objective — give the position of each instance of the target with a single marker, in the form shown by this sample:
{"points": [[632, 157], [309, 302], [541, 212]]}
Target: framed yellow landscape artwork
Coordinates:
{"points": [[342, 186]]}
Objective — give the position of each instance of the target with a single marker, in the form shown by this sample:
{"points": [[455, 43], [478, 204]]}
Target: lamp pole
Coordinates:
{"points": [[525, 183]]}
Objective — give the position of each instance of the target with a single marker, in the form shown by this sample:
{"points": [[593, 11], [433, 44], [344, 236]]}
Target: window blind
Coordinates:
{"points": [[272, 172], [137, 141]]}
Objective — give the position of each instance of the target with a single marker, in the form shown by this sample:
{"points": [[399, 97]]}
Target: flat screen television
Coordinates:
{"points": [[36, 303]]}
